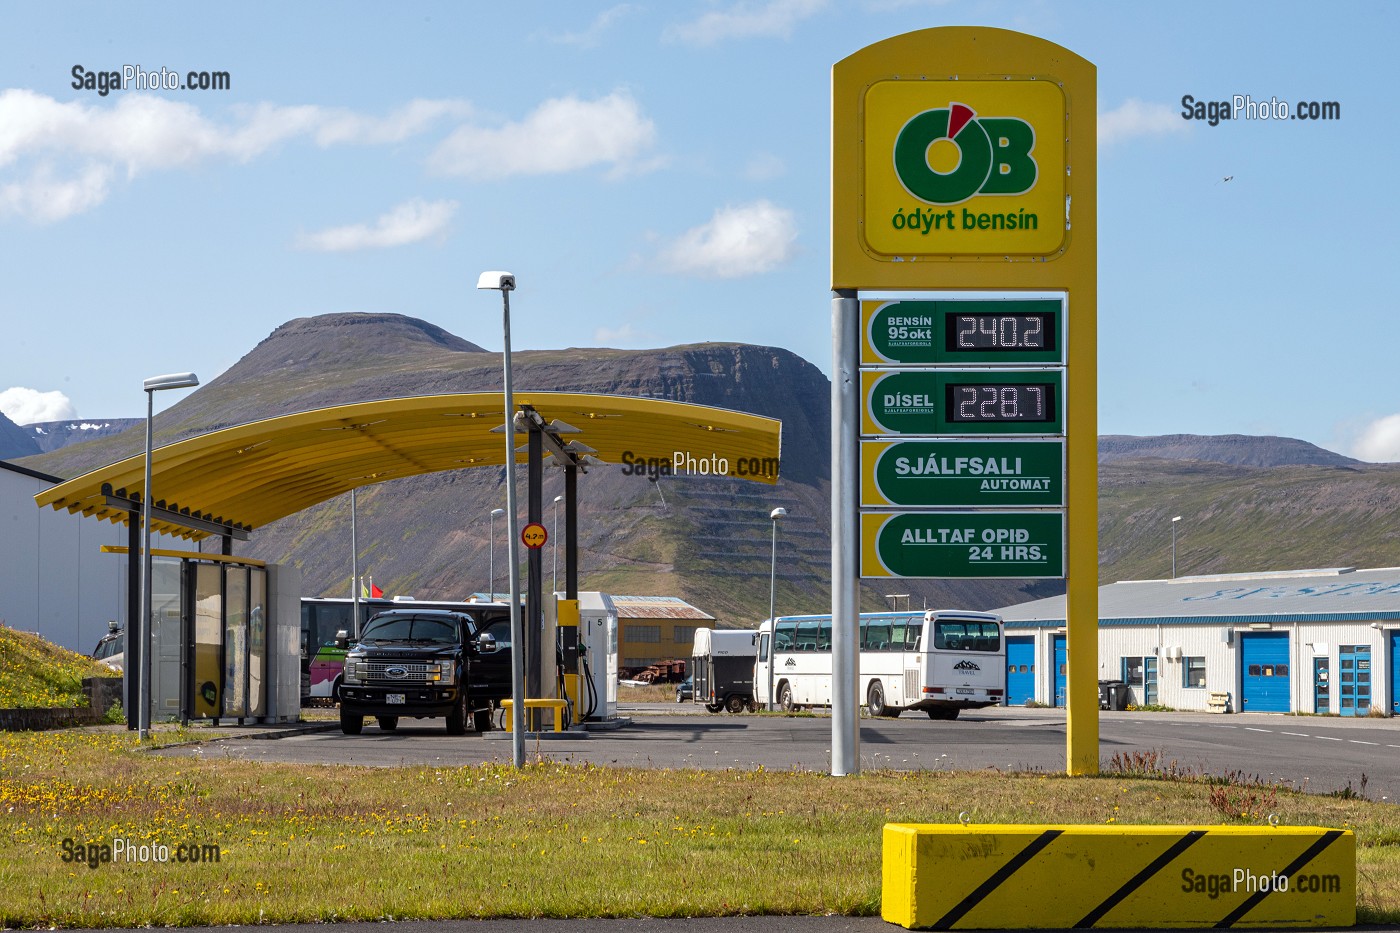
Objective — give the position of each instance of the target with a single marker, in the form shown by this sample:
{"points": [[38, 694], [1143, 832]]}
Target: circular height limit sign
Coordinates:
{"points": [[533, 536]]}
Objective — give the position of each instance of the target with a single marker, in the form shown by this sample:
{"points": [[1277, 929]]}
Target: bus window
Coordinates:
{"points": [[763, 647], [824, 635], [783, 636], [807, 635], [911, 634], [877, 635], [897, 634]]}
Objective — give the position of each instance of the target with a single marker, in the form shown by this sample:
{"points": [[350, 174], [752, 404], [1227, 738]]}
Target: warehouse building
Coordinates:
{"points": [[1310, 641]]}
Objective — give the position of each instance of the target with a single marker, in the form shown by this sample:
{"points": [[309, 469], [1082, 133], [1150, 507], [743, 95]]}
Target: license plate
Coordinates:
{"points": [[393, 698], [963, 690]]}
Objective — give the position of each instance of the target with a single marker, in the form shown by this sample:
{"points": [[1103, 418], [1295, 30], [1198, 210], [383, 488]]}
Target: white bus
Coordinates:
{"points": [[939, 661]]}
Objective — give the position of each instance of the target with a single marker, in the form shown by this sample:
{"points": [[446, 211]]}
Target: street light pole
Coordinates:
{"points": [[504, 282], [151, 386], [491, 552], [1174, 521], [772, 595], [554, 534]]}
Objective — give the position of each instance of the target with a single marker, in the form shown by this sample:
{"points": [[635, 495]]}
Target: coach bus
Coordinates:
{"points": [[939, 661], [322, 663]]}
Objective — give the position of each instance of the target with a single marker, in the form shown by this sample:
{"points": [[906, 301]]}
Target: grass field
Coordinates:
{"points": [[302, 843], [35, 672]]}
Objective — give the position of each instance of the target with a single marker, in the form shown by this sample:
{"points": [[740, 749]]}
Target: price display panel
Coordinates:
{"points": [[963, 332], [949, 402]]}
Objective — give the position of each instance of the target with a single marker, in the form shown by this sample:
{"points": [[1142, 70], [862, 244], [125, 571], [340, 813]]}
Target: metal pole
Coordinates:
{"points": [[143, 720], [354, 567], [491, 554], [772, 589], [845, 533], [571, 532], [554, 534], [534, 569], [517, 640]]}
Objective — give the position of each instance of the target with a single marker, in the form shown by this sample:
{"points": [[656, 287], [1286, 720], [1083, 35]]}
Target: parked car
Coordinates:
{"points": [[685, 690], [111, 648]]}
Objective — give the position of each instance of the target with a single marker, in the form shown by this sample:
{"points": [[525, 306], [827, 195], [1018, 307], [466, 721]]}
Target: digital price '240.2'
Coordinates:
{"points": [[1017, 402], [1000, 332]]}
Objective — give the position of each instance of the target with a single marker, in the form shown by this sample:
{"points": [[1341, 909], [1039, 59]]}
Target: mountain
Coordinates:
{"points": [[15, 441], [1241, 449], [705, 539], [51, 435], [1247, 504]]}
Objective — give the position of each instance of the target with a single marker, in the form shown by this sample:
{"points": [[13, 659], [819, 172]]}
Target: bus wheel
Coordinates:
{"points": [[785, 698], [735, 703], [875, 700], [943, 713], [335, 691], [714, 707]]}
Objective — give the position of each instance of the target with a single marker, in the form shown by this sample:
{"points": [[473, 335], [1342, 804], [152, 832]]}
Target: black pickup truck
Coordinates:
{"points": [[426, 663]]}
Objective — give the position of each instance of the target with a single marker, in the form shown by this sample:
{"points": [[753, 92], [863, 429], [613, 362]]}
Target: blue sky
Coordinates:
{"points": [[657, 173]]}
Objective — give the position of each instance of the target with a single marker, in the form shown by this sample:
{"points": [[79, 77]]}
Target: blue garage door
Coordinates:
{"points": [[1061, 666], [1264, 672], [1020, 669], [1395, 672]]}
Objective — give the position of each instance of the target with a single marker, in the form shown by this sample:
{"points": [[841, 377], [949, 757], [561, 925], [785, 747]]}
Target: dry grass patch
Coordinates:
{"points": [[303, 843]]}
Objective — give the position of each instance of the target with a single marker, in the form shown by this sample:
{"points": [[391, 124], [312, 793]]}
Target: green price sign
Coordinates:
{"points": [[948, 401], [959, 332], [963, 545], [979, 473]]}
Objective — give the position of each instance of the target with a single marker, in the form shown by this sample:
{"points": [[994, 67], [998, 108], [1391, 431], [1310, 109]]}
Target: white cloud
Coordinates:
{"points": [[76, 147], [408, 222], [765, 167], [593, 33], [746, 20], [1379, 441], [27, 406], [624, 336], [1137, 118], [737, 241], [561, 135]]}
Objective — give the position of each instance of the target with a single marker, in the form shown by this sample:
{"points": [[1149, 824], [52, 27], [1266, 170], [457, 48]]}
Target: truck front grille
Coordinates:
{"points": [[404, 672]]}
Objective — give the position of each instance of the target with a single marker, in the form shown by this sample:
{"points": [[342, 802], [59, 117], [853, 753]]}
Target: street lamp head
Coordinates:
{"points": [[497, 281], [558, 498], [1177, 519], [171, 381], [497, 513], [778, 513]]}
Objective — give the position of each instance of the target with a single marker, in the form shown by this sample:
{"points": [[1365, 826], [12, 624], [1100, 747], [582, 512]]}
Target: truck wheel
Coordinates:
{"points": [[735, 703], [350, 723], [457, 719], [875, 700], [481, 720], [388, 723], [785, 698]]}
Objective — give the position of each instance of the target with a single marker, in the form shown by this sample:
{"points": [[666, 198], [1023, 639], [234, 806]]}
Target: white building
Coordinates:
{"points": [[54, 577], [1313, 641]]}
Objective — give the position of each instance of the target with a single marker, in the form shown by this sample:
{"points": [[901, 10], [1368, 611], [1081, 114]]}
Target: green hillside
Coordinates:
{"points": [[37, 673]]}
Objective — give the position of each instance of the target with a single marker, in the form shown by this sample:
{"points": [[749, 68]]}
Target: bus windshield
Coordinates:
{"points": [[966, 635]]}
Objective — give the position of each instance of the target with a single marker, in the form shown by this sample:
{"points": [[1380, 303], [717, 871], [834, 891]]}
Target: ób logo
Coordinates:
{"points": [[981, 155]]}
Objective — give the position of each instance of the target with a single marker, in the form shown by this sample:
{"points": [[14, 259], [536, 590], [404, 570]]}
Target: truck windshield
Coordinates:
{"points": [[410, 628]]}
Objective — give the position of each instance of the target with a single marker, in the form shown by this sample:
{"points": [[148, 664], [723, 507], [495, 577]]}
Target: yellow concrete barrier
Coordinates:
{"points": [[940, 877]]}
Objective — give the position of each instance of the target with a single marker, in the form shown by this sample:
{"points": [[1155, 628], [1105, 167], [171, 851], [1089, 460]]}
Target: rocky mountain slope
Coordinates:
{"points": [[1248, 504]]}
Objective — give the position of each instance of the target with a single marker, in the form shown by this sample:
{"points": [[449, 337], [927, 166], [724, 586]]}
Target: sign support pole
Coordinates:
{"points": [[845, 533]]}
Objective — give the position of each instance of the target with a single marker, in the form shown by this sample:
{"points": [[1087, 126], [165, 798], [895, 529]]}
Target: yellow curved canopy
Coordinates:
{"points": [[258, 472]]}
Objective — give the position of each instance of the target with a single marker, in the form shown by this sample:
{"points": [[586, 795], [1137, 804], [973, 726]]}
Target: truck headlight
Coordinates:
{"points": [[446, 672], [353, 673]]}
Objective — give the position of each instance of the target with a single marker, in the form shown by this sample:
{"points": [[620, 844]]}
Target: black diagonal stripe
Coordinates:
{"points": [[1308, 855], [987, 887], [1156, 865]]}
